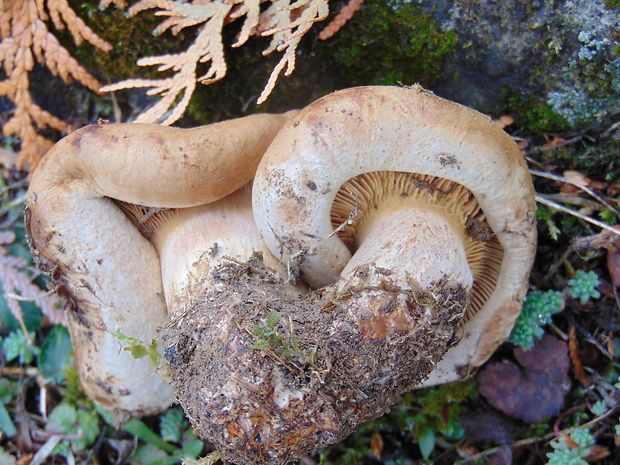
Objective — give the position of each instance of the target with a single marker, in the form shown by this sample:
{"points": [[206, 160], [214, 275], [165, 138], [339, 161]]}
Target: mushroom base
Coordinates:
{"points": [[268, 390]]}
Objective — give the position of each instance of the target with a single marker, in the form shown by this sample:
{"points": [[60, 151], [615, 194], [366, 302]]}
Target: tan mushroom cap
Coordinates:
{"points": [[107, 270], [364, 130]]}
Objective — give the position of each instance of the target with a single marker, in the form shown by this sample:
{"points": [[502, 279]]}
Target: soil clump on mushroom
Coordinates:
{"points": [[267, 378]]}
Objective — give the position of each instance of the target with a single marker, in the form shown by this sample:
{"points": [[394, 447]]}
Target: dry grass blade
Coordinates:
{"points": [[590, 192], [540, 198], [575, 357]]}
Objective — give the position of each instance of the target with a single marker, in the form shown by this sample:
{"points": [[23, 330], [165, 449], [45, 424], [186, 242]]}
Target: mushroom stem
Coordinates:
{"points": [[418, 247], [195, 242]]}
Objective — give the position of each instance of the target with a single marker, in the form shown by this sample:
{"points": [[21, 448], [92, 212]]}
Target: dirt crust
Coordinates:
{"points": [[268, 377]]}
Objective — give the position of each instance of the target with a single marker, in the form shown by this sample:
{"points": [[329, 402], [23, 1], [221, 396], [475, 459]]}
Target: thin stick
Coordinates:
{"points": [[21, 298], [556, 206], [590, 192], [546, 437]]}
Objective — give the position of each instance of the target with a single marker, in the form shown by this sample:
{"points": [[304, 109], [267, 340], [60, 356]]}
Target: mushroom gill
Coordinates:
{"points": [[360, 199]]}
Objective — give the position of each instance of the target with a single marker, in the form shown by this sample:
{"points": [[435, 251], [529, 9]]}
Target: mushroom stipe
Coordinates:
{"points": [[339, 360]]}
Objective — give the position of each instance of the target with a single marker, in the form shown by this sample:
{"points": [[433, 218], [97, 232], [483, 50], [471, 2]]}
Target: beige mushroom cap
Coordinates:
{"points": [[374, 129], [107, 270]]}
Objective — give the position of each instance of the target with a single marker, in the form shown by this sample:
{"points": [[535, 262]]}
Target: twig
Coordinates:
{"points": [[46, 449], [563, 415], [20, 371], [597, 241], [546, 437], [591, 339], [21, 298], [350, 220], [590, 192], [609, 130], [540, 149], [556, 206]]}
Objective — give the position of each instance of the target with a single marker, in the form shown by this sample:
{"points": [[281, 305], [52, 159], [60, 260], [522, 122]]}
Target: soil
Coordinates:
{"points": [[265, 390]]}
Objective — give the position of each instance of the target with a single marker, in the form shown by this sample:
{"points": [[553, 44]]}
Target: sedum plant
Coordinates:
{"points": [[583, 287], [564, 455], [539, 307], [537, 312]]}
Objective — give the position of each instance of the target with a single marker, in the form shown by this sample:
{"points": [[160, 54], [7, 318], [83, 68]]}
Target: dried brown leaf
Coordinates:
{"points": [[535, 388], [26, 40], [343, 16], [376, 445], [575, 356]]}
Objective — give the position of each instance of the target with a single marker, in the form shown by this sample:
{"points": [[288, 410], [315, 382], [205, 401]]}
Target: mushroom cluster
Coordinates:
{"points": [[385, 245]]}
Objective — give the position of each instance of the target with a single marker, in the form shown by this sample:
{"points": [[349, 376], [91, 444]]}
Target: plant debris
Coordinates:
{"points": [[533, 389], [305, 378]]}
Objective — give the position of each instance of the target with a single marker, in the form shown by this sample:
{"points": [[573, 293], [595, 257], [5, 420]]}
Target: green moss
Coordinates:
{"points": [[248, 72], [131, 37], [382, 44], [535, 115], [387, 43], [612, 3], [594, 159]]}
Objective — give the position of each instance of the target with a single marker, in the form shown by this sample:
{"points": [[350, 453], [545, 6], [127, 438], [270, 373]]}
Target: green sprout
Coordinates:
{"points": [[537, 311], [583, 287], [599, 408], [80, 426], [139, 350], [270, 339], [18, 346]]}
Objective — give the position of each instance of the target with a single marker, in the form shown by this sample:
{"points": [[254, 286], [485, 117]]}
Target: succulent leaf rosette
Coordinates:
{"points": [[384, 244]]}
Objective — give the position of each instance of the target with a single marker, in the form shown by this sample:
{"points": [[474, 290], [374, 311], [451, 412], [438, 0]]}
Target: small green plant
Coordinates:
{"points": [[18, 346], [539, 307], [270, 339], [80, 426], [172, 425], [583, 287], [139, 350], [56, 355], [536, 313], [599, 408], [8, 390], [564, 455]]}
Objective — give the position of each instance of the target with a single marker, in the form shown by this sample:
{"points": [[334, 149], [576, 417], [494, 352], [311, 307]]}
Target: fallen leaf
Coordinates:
{"points": [[613, 260], [575, 356], [596, 452], [577, 178], [376, 445], [504, 121], [481, 427], [466, 450], [554, 143], [533, 389]]}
